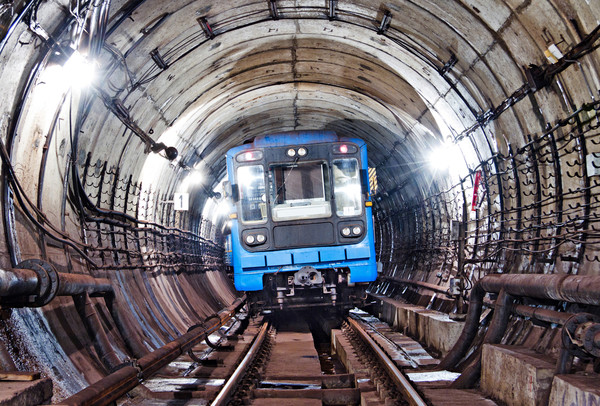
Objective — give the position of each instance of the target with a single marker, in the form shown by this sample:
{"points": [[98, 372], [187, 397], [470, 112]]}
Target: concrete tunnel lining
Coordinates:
{"points": [[300, 71]]}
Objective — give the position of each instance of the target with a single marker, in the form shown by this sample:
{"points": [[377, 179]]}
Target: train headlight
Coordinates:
{"points": [[291, 152], [255, 237], [352, 230], [302, 151]]}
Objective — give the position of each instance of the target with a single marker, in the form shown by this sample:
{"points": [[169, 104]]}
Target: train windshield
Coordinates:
{"points": [[299, 191], [346, 187], [251, 183]]}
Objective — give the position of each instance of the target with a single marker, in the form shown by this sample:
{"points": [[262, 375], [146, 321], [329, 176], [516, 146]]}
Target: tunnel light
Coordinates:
{"points": [[445, 157], [79, 71]]}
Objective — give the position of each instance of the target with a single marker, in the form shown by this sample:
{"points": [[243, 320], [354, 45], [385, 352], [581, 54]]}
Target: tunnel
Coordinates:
{"points": [[482, 129]]}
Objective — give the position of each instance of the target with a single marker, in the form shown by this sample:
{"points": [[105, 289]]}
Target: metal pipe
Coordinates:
{"points": [[95, 330], [413, 397], [425, 285], [469, 330], [494, 334], [115, 385], [16, 282], [129, 335], [228, 389], [569, 288], [75, 284], [540, 314]]}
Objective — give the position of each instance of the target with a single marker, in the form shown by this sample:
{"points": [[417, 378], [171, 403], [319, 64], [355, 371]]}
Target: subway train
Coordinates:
{"points": [[301, 231]]}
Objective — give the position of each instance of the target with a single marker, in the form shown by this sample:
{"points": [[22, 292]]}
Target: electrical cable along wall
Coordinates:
{"points": [[127, 244], [549, 188]]}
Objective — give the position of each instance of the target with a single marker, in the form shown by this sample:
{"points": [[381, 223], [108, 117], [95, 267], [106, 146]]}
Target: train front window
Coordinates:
{"points": [[299, 191], [251, 184], [346, 187]]}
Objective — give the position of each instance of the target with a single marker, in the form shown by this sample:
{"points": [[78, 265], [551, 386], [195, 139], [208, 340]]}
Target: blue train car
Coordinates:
{"points": [[302, 227]]}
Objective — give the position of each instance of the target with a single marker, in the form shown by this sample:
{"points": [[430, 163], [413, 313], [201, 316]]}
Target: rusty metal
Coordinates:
{"points": [[95, 330], [115, 385], [75, 284], [230, 386], [470, 375], [536, 313], [36, 283], [402, 383], [15, 282], [569, 288], [469, 330], [425, 285], [130, 335]]}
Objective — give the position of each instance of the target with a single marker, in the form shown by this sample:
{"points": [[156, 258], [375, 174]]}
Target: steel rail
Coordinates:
{"points": [[228, 389], [110, 388], [412, 396]]}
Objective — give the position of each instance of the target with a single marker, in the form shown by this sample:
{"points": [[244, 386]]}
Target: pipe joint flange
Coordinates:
{"points": [[48, 280], [578, 335], [130, 363], [591, 339]]}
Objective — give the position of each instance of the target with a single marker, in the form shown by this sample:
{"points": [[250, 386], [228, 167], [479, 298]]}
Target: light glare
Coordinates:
{"points": [[79, 71], [445, 157]]}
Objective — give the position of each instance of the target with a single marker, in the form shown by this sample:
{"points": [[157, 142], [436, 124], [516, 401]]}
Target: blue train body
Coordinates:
{"points": [[302, 227]]}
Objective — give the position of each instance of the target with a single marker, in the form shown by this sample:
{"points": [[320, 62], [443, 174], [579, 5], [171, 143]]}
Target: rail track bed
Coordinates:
{"points": [[301, 358]]}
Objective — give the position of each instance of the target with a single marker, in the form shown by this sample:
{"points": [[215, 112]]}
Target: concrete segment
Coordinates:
{"points": [[434, 329], [575, 390], [19, 393], [529, 386]]}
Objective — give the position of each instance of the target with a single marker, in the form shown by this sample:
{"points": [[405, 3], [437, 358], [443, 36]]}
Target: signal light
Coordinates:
{"points": [[249, 156], [345, 149]]}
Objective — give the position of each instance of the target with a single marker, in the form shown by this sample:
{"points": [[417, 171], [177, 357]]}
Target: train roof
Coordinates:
{"points": [[294, 138]]}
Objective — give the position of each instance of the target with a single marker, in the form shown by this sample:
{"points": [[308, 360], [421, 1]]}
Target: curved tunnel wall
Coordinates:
{"points": [[446, 73]]}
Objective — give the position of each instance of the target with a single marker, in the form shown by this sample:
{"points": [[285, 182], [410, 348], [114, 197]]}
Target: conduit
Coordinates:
{"points": [[494, 334], [35, 283], [568, 288], [95, 330]]}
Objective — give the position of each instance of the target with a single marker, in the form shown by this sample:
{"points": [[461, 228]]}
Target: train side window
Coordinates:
{"points": [[251, 185], [347, 187]]}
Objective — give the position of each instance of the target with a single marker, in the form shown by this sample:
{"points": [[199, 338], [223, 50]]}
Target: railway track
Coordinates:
{"points": [[285, 359]]}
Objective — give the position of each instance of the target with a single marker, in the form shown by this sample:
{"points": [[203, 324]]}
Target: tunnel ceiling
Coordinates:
{"points": [[473, 77], [402, 75]]}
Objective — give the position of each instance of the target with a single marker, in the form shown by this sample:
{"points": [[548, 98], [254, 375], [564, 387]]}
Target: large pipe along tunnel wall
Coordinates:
{"points": [[99, 262]]}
